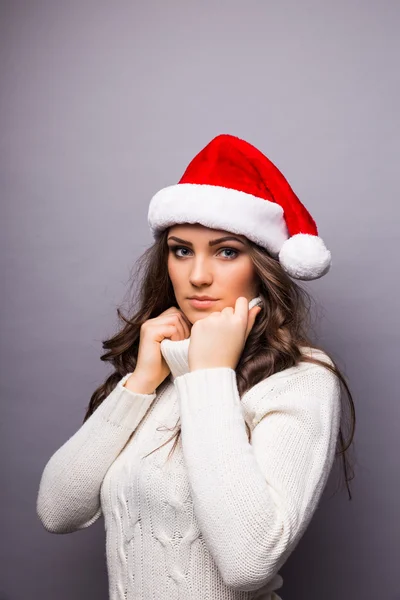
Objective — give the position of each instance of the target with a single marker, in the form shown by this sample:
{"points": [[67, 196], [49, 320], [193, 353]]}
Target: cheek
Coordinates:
{"points": [[242, 273], [241, 282], [173, 271], [170, 269]]}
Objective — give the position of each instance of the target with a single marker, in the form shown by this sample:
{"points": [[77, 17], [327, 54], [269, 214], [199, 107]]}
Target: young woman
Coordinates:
{"points": [[254, 406]]}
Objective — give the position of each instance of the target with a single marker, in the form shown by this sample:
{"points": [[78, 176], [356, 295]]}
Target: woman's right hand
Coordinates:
{"points": [[151, 368]]}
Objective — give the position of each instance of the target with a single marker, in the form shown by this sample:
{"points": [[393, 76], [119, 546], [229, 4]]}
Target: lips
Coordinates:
{"points": [[196, 303]]}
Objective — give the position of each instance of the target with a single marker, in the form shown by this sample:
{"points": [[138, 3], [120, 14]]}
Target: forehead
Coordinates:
{"points": [[198, 231]]}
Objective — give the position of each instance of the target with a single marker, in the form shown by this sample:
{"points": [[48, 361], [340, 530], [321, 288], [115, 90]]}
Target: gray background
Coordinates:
{"points": [[104, 103]]}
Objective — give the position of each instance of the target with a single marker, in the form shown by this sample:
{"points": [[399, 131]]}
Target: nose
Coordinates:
{"points": [[200, 273]]}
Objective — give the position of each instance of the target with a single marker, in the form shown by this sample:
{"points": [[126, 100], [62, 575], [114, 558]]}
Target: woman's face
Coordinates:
{"points": [[197, 265]]}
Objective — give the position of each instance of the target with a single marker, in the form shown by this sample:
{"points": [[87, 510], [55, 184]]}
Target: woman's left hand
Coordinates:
{"points": [[218, 340]]}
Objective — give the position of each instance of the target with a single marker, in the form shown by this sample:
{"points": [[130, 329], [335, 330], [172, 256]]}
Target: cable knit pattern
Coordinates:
{"points": [[219, 519]]}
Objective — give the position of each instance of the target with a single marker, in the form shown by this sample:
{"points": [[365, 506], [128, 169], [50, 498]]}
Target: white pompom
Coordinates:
{"points": [[305, 256]]}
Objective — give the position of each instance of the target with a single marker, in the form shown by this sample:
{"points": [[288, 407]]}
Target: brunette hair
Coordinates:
{"points": [[274, 342]]}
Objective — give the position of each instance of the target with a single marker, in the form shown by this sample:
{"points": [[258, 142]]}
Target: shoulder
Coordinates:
{"points": [[304, 387], [304, 372], [316, 353]]}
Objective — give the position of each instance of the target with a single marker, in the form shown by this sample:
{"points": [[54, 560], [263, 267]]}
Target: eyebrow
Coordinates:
{"points": [[210, 243]]}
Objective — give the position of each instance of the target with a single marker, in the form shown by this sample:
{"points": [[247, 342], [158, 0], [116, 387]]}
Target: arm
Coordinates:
{"points": [[254, 501], [69, 490]]}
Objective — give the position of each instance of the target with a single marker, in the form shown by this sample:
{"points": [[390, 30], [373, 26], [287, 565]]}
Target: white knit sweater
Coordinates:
{"points": [[222, 516]]}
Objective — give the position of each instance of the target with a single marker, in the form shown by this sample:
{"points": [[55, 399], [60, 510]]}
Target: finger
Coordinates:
{"points": [[168, 330], [182, 315], [242, 308], [229, 309], [176, 320], [172, 310]]}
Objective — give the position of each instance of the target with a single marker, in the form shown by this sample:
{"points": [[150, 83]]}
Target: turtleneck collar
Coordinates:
{"points": [[176, 352]]}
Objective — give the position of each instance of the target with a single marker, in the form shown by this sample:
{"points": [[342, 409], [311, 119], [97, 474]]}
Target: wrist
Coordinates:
{"points": [[140, 385]]}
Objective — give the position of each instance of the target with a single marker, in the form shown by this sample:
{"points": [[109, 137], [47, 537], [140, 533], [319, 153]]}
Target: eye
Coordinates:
{"points": [[231, 250], [175, 249]]}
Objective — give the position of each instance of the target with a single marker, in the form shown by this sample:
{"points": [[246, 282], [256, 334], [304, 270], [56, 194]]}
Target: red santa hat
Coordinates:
{"points": [[231, 185]]}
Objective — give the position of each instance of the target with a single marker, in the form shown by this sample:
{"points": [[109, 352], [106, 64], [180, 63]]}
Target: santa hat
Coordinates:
{"points": [[231, 185]]}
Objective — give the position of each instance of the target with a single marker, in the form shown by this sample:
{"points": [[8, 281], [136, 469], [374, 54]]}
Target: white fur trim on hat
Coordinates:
{"points": [[305, 256], [217, 207]]}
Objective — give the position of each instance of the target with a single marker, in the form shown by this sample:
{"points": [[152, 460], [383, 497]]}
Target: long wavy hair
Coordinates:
{"points": [[283, 325]]}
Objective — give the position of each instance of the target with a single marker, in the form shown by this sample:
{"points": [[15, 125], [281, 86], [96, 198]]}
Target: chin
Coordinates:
{"points": [[198, 318]]}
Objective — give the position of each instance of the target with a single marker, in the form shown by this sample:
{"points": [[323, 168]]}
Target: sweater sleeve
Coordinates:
{"points": [[254, 500], [69, 490]]}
